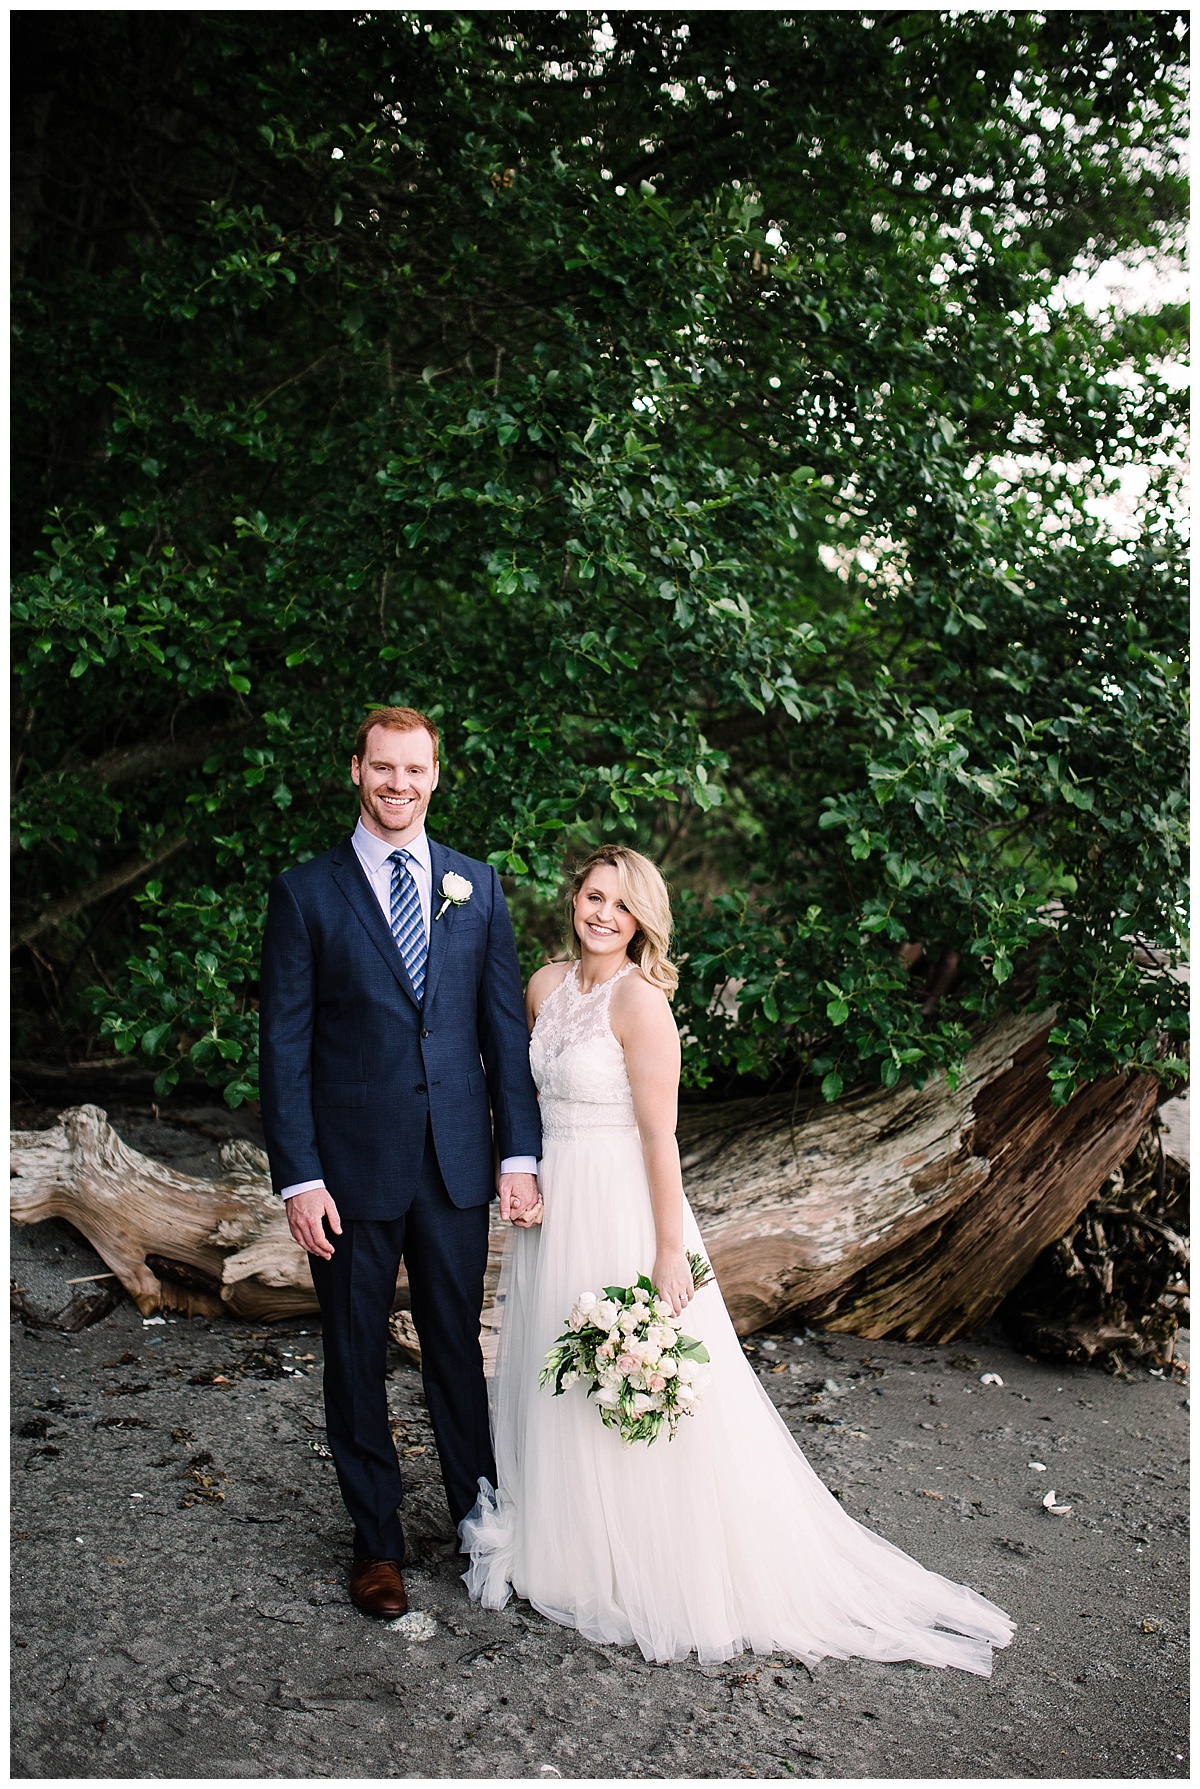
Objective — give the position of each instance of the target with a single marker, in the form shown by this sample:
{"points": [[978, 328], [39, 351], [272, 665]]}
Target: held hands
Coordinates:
{"points": [[672, 1278], [305, 1215], [520, 1201], [520, 1204]]}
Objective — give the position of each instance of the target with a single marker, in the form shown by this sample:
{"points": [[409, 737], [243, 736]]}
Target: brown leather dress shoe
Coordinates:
{"points": [[377, 1588]]}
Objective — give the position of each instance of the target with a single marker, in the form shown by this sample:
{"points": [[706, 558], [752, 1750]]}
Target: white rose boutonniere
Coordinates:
{"points": [[455, 891]]}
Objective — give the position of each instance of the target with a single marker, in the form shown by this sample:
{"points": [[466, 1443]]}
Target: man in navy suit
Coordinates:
{"points": [[393, 1040]]}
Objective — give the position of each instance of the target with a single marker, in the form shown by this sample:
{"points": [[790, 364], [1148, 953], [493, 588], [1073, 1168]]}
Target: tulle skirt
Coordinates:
{"points": [[720, 1540]]}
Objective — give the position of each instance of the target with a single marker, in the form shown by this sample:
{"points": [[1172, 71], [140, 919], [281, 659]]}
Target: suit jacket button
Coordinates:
{"points": [[425, 1032], [420, 1087]]}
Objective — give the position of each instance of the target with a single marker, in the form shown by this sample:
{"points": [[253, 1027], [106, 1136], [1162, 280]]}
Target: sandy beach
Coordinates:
{"points": [[180, 1553]]}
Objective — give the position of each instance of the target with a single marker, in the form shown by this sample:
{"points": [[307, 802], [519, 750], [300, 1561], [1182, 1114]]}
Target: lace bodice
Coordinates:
{"points": [[577, 1063]]}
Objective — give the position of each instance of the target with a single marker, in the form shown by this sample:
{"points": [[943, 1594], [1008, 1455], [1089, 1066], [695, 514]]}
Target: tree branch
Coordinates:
{"points": [[294, 377], [95, 891], [130, 764]]}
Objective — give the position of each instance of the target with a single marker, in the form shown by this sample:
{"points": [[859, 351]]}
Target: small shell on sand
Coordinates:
{"points": [[415, 1626]]}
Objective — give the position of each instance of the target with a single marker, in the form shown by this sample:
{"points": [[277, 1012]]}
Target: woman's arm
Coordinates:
{"points": [[643, 1026], [541, 982]]}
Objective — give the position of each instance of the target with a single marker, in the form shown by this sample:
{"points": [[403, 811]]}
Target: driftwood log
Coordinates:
{"points": [[176, 1242], [1115, 1286], [908, 1213]]}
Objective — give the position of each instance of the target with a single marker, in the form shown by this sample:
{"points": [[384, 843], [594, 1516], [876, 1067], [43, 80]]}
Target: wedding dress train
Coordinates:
{"points": [[721, 1540]]}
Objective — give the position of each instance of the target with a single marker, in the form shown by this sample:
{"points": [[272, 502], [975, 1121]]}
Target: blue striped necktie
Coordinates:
{"points": [[408, 925]]}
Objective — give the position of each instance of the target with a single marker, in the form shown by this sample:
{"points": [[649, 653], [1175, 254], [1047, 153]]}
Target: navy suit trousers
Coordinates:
{"points": [[444, 1249]]}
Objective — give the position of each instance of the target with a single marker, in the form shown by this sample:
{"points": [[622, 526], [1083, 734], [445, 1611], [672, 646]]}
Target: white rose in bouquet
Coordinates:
{"points": [[604, 1316], [581, 1314], [608, 1397]]}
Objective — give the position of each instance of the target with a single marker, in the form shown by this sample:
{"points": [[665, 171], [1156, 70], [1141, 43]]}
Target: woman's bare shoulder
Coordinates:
{"points": [[636, 1001], [543, 981]]}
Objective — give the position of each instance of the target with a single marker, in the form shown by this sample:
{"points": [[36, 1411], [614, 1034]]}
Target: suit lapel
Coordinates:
{"points": [[349, 877], [439, 932]]}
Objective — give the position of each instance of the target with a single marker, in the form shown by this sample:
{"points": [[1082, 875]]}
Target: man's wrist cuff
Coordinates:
{"points": [[519, 1164], [302, 1186]]}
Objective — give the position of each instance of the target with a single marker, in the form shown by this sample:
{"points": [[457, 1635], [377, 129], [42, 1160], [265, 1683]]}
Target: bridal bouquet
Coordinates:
{"points": [[641, 1369]]}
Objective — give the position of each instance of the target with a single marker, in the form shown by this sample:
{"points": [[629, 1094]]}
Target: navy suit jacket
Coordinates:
{"points": [[353, 1070]]}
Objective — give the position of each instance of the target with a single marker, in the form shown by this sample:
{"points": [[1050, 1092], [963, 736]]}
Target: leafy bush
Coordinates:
{"points": [[687, 412]]}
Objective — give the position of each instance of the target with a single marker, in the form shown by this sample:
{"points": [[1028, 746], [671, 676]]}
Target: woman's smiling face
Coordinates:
{"points": [[603, 923]]}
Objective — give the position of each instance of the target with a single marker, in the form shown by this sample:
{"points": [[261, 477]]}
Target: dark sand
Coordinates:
{"points": [[157, 1637], [162, 1633]]}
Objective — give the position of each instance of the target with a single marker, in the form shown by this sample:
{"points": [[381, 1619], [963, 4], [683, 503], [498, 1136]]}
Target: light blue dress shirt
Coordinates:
{"points": [[374, 855]]}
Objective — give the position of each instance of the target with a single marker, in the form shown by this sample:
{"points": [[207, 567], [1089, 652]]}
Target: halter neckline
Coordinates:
{"points": [[586, 993]]}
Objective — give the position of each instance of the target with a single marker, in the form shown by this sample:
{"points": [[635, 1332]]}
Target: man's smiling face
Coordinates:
{"points": [[395, 778]]}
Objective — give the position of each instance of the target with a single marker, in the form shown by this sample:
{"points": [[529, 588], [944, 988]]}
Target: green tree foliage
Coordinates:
{"points": [[684, 408]]}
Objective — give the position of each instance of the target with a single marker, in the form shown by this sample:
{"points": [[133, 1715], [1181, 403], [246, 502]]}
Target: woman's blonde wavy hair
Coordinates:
{"points": [[645, 894]]}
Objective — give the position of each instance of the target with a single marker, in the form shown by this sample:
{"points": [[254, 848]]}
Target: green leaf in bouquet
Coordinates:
{"points": [[551, 1367], [691, 1349], [618, 1294], [701, 1270]]}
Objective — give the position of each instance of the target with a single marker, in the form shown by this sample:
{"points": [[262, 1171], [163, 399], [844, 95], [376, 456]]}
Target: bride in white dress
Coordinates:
{"points": [[723, 1538]]}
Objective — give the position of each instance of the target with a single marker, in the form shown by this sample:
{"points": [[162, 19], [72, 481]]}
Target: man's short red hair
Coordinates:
{"points": [[403, 720]]}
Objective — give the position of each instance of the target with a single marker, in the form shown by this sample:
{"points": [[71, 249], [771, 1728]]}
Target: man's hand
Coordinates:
{"points": [[305, 1215], [518, 1196]]}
